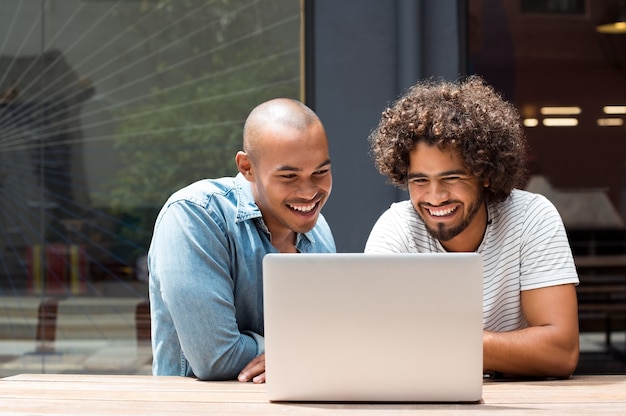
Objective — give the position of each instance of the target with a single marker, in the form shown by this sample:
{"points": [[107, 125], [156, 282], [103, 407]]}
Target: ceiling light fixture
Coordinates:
{"points": [[613, 22], [559, 111], [531, 122], [610, 122], [614, 109], [560, 122]]}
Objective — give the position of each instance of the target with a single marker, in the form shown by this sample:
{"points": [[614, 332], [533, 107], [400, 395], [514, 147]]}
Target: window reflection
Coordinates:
{"points": [[106, 107], [568, 81]]}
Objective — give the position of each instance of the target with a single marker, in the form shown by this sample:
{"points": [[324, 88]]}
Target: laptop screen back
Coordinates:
{"points": [[372, 327]]}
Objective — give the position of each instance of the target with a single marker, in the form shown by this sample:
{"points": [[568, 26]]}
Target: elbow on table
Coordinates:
{"points": [[219, 369], [215, 373], [224, 364], [566, 366]]}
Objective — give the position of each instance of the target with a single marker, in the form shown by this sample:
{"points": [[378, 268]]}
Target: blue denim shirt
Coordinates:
{"points": [[206, 293]]}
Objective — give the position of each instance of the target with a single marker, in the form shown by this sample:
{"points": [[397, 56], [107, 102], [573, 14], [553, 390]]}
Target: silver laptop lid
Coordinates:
{"points": [[372, 327]]}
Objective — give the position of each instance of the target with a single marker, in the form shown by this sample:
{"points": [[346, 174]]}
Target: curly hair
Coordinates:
{"points": [[466, 115]]}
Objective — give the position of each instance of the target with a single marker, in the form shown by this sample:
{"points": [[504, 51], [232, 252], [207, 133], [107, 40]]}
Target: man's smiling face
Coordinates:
{"points": [[447, 196], [293, 180]]}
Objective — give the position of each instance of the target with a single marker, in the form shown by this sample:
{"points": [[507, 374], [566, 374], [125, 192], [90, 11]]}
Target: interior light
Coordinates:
{"points": [[614, 109], [531, 122], [610, 122], [613, 22], [616, 28], [559, 111], [560, 122]]}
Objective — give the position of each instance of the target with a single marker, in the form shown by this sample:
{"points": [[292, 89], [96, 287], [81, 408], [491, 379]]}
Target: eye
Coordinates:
{"points": [[452, 179], [287, 176], [321, 172], [419, 181]]}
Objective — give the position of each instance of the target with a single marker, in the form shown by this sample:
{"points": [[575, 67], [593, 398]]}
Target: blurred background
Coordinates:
{"points": [[108, 106]]}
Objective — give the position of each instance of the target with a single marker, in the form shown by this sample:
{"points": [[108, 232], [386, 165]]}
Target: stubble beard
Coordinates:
{"points": [[444, 233]]}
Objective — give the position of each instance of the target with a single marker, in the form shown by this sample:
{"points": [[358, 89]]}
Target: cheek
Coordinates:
{"points": [[415, 192], [271, 192], [415, 196], [472, 193], [328, 184]]}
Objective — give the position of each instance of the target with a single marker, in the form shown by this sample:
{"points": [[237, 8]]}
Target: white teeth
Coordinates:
{"points": [[441, 212], [303, 208]]}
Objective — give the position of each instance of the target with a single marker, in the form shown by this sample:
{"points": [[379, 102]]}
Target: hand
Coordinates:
{"points": [[254, 371]]}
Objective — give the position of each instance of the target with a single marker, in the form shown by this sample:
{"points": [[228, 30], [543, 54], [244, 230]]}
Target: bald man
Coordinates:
{"points": [[210, 238]]}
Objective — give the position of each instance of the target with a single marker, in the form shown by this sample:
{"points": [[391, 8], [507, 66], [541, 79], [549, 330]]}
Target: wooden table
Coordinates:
{"points": [[66, 394]]}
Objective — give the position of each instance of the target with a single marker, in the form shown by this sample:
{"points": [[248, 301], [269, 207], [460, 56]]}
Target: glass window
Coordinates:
{"points": [[107, 107], [568, 79]]}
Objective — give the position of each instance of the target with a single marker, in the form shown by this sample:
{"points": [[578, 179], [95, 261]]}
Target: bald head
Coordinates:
{"points": [[279, 112]]}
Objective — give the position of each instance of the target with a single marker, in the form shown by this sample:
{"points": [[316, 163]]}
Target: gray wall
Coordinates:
{"points": [[363, 54]]}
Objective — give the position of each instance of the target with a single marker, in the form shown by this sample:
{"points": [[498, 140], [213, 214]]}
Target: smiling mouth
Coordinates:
{"points": [[303, 208], [441, 212]]}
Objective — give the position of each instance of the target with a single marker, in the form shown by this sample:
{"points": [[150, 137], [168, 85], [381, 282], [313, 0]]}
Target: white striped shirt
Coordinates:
{"points": [[525, 247]]}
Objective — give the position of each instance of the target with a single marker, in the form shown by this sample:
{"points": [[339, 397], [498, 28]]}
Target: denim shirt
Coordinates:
{"points": [[206, 293]]}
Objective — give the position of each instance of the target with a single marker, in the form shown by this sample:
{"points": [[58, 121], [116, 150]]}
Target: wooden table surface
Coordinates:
{"points": [[66, 394]]}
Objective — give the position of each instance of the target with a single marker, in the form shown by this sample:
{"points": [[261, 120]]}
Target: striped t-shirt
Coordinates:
{"points": [[525, 247]]}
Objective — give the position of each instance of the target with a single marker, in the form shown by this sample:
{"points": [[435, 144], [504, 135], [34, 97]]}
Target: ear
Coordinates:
{"points": [[486, 183], [244, 165]]}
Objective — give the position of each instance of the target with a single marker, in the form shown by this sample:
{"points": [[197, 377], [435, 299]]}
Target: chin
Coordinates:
{"points": [[305, 228]]}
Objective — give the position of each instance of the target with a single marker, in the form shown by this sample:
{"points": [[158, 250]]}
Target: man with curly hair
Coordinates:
{"points": [[459, 149]]}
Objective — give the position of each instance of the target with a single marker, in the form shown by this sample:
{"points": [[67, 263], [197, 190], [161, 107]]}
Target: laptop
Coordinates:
{"points": [[354, 327]]}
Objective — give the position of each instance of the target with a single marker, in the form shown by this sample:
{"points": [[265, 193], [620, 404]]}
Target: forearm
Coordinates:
{"points": [[539, 351], [213, 352], [190, 263]]}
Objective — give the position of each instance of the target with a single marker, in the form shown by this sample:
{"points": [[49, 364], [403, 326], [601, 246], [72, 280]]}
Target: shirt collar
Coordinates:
{"points": [[246, 207]]}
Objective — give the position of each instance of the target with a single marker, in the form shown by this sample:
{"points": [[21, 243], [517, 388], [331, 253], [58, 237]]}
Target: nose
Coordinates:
{"points": [[437, 193], [307, 189]]}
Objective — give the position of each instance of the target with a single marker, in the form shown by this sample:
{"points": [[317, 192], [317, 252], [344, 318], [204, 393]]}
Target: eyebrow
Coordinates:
{"points": [[439, 175], [294, 169]]}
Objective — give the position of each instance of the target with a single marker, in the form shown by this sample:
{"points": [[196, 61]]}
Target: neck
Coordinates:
{"points": [[286, 244]]}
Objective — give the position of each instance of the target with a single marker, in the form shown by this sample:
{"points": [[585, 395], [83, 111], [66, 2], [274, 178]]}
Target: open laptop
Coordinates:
{"points": [[373, 327]]}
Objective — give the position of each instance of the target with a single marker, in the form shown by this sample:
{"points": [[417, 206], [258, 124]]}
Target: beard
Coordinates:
{"points": [[444, 233]]}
